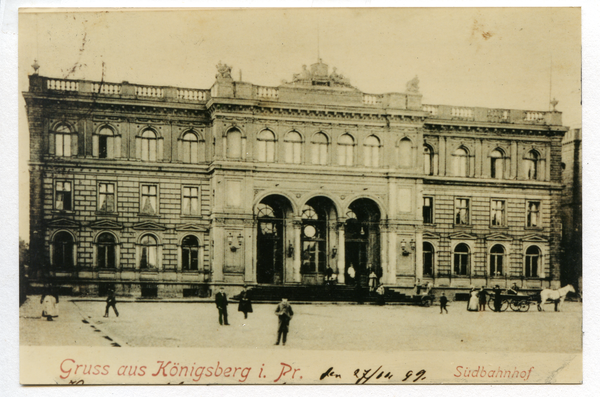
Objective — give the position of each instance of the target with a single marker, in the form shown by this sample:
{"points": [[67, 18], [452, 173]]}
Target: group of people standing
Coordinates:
{"points": [[478, 297]]}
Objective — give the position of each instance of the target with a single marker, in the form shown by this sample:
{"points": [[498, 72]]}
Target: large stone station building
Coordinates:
{"points": [[169, 192]]}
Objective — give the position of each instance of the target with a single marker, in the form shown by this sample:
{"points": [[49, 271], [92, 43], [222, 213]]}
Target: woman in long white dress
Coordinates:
{"points": [[49, 303], [473, 304]]}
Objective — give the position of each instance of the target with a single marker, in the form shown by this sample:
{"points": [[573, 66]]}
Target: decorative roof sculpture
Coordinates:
{"points": [[224, 72], [412, 86], [318, 76]]}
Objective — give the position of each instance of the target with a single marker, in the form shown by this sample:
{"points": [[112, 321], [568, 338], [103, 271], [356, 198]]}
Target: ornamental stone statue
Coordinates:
{"points": [[224, 71], [413, 85]]}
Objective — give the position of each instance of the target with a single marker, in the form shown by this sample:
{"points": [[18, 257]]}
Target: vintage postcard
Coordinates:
{"points": [[300, 196]]}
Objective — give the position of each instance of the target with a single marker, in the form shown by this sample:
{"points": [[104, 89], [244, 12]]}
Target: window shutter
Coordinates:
{"points": [[95, 145], [74, 141], [51, 143]]}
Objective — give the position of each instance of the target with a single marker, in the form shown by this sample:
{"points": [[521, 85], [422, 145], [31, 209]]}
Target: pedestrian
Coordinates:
{"points": [[49, 303], [482, 299], [473, 304], [221, 301], [351, 274], [443, 303], [418, 287], [372, 281], [111, 301], [497, 298], [285, 313], [381, 295], [328, 275], [245, 305]]}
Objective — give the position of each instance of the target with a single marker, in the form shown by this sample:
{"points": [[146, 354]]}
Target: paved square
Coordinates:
{"points": [[314, 326]]}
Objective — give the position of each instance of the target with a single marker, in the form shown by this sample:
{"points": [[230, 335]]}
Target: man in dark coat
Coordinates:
{"points": [[497, 298], [111, 301], [221, 301], [245, 305], [443, 303], [285, 313]]}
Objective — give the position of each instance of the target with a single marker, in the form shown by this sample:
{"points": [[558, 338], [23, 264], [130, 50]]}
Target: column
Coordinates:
{"points": [[297, 250], [341, 254], [392, 255], [478, 158], [419, 256], [218, 252], [442, 164], [513, 160], [249, 238]]}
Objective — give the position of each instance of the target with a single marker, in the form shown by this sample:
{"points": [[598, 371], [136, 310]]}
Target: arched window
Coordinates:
{"points": [[346, 150], [266, 146], [532, 262], [404, 152], [461, 260], [105, 144], [62, 141], [532, 165], [234, 144], [497, 164], [62, 250], [461, 162], [293, 148], [105, 255], [148, 145], [189, 253], [189, 148], [428, 259], [149, 252], [320, 145], [372, 151], [428, 157], [497, 261]]}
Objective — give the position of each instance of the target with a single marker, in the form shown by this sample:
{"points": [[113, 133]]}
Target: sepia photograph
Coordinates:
{"points": [[387, 196]]}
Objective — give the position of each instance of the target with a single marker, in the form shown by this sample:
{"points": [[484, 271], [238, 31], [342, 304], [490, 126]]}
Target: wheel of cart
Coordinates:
{"points": [[503, 306], [427, 300], [519, 304]]}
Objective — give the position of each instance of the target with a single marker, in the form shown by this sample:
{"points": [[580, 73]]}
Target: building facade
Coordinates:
{"points": [[166, 191]]}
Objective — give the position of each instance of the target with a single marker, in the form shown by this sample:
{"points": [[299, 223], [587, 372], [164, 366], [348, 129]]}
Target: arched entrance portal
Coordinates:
{"points": [[271, 214], [316, 239], [362, 240]]}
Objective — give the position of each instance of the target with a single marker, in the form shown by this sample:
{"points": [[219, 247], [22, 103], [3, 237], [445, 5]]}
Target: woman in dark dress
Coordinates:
{"points": [[245, 305]]}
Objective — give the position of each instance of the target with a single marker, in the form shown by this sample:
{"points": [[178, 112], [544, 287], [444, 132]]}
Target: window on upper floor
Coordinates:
{"points": [[63, 195], [189, 148], [190, 201], [346, 150], [293, 148], [532, 261], [405, 153], [428, 158], [498, 163], [234, 144], [148, 142], [460, 165], [428, 259], [189, 253], [462, 259], [320, 145], [266, 146], [105, 254], [461, 211], [106, 197], [105, 144], [63, 250], [149, 200], [533, 214], [497, 261], [63, 142], [427, 209], [498, 213], [531, 165], [372, 145]]}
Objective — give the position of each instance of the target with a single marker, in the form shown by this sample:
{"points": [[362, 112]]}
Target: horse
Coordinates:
{"points": [[554, 295]]}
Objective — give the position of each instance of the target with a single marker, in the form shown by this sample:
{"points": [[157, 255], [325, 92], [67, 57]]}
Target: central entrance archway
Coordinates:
{"points": [[316, 235], [271, 213], [362, 240]]}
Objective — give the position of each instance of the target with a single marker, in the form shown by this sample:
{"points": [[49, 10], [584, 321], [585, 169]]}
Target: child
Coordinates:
{"points": [[443, 302]]}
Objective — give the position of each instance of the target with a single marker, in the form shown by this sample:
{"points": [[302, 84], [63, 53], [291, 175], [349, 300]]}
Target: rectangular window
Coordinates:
{"points": [[149, 200], [498, 213], [64, 196], [462, 211], [190, 200], [427, 209], [533, 214], [106, 197]]}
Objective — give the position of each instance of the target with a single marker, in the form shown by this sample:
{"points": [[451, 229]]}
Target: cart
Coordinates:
{"points": [[516, 302], [423, 300]]}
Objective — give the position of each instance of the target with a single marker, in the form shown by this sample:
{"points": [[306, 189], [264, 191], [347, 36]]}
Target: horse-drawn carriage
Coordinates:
{"points": [[521, 302]]}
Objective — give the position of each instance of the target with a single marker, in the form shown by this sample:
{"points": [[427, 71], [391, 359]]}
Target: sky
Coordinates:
{"points": [[492, 57]]}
